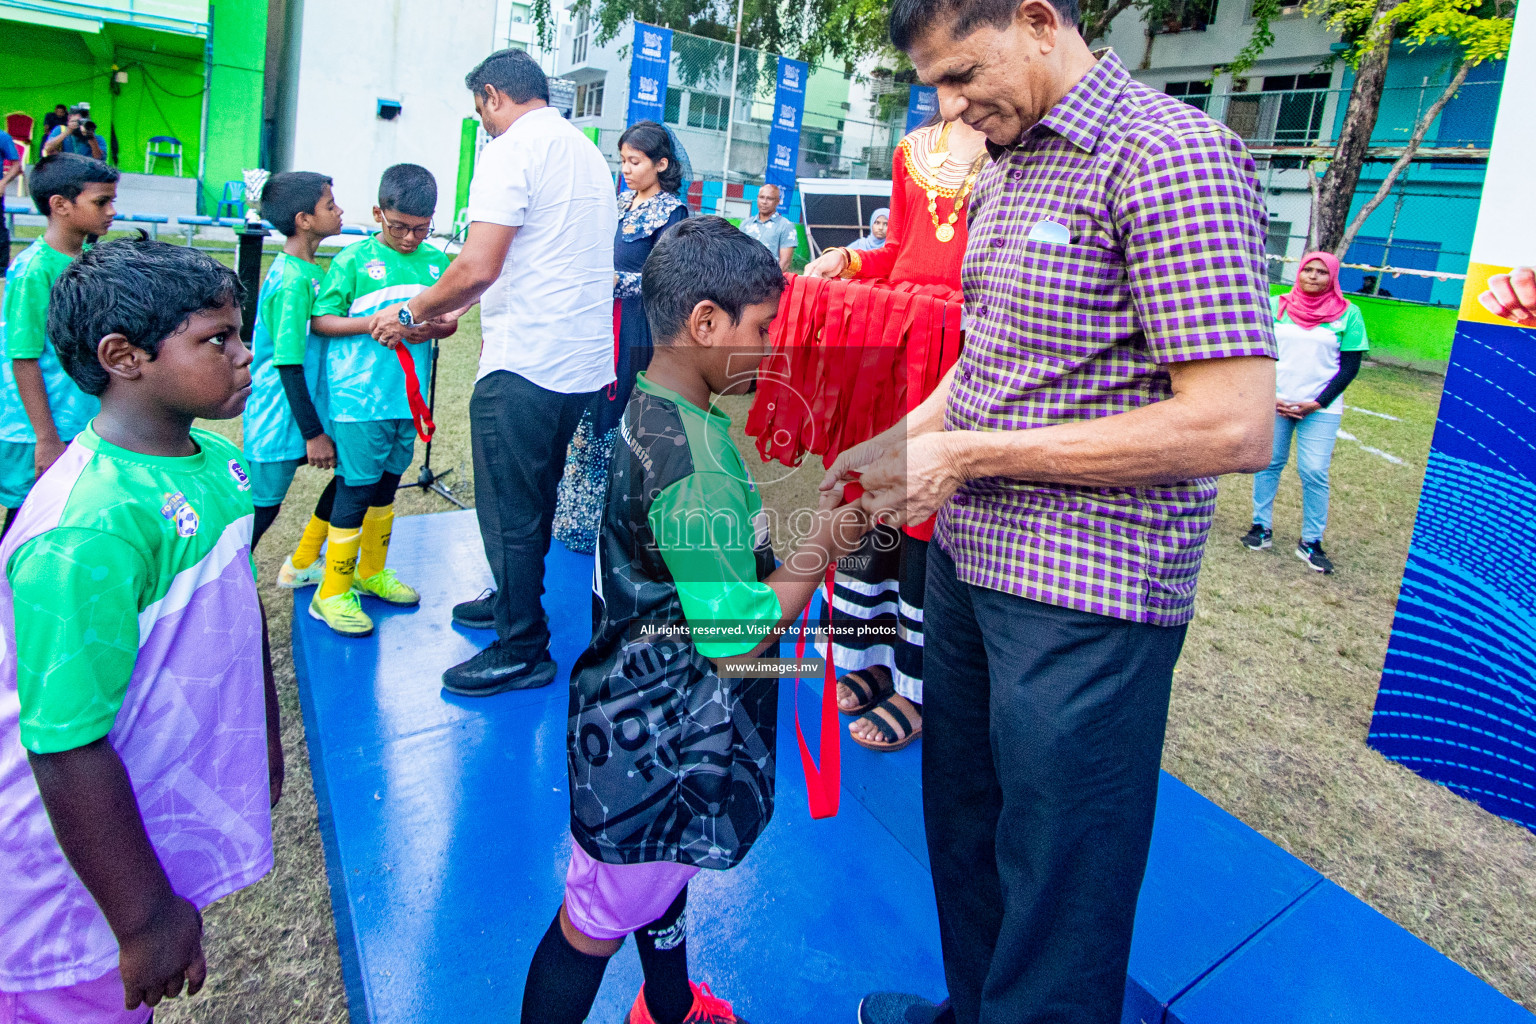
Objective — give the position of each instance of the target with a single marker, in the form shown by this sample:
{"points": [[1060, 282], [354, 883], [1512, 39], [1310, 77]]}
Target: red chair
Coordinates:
{"points": [[19, 126]]}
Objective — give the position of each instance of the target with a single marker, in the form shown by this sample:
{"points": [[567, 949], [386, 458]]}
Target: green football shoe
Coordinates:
{"points": [[289, 577], [342, 613], [386, 586]]}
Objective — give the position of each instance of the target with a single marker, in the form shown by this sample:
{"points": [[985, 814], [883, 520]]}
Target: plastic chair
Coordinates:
{"points": [[232, 200], [19, 125], [166, 147]]}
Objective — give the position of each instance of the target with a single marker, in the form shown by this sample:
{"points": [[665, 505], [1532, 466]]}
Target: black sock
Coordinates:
{"points": [[265, 514], [10, 516], [663, 947], [562, 981], [327, 500]]}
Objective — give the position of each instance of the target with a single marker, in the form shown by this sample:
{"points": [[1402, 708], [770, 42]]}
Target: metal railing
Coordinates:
{"points": [[1312, 117], [183, 17]]}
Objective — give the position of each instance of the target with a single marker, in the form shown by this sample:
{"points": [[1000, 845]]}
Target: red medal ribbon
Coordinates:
{"points": [[823, 785], [419, 411]]}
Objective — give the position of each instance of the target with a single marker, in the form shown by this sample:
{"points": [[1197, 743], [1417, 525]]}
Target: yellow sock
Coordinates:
{"points": [[340, 561], [309, 545], [378, 524]]}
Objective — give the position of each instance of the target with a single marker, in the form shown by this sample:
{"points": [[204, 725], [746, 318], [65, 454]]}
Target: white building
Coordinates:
{"points": [[362, 85]]}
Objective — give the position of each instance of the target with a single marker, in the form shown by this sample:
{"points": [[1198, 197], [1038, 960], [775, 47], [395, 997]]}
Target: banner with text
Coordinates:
{"points": [[922, 103], [1457, 702], [649, 65], [784, 136]]}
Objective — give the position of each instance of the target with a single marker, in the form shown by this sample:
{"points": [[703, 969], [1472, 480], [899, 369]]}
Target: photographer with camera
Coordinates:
{"points": [[77, 135]]}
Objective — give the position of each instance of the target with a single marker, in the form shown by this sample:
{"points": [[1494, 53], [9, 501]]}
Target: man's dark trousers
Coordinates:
{"points": [[1042, 737], [519, 433]]}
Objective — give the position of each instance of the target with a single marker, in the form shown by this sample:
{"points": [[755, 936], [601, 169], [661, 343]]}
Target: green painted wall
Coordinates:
{"points": [[163, 95], [239, 40], [164, 91], [1404, 333]]}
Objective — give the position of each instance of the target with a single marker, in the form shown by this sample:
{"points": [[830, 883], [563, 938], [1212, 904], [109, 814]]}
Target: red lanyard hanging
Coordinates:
{"points": [[419, 411], [823, 785]]}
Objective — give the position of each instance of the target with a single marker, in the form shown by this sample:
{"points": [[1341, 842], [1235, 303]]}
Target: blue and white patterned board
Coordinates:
{"points": [[1458, 691]]}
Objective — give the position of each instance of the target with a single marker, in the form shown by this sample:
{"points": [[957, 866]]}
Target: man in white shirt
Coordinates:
{"points": [[539, 258]]}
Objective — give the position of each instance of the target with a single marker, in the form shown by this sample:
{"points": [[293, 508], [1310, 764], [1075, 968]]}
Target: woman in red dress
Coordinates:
{"points": [[857, 357]]}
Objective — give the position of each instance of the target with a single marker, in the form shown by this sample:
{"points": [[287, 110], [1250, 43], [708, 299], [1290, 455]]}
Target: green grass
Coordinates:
{"points": [[1271, 705]]}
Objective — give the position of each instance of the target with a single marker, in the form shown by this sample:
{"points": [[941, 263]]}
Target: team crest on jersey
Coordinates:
{"points": [[434, 271], [241, 480], [374, 269], [182, 514]]}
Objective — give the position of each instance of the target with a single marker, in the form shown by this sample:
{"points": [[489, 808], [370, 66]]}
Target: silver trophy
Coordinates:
{"points": [[255, 181]]}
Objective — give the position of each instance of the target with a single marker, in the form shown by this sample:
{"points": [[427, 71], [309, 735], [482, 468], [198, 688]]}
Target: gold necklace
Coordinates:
{"points": [[946, 231]]}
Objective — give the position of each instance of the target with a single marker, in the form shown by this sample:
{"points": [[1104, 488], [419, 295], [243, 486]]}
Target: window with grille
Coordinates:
{"points": [[707, 111], [674, 106]]}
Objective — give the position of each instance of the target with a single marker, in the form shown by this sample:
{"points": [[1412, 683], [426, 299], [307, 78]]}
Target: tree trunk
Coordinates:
{"points": [[1337, 191], [1419, 131]]}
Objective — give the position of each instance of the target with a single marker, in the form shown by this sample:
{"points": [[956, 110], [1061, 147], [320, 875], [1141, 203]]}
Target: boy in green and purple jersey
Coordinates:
{"points": [[139, 749]]}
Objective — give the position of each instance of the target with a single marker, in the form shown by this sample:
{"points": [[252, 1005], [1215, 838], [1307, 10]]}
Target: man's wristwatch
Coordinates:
{"points": [[406, 320]]}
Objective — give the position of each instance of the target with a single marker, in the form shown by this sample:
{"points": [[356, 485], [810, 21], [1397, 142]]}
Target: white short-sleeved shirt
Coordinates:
{"points": [[549, 316]]}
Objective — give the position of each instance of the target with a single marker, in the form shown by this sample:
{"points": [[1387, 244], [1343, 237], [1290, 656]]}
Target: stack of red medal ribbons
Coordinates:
{"points": [[850, 359]]}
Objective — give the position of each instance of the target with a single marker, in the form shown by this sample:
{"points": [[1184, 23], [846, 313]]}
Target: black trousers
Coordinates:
{"points": [[1042, 737], [519, 433]]}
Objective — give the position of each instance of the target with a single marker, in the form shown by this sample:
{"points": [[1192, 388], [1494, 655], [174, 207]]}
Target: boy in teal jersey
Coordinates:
{"points": [[285, 419], [139, 743], [670, 756], [41, 409], [369, 408]]}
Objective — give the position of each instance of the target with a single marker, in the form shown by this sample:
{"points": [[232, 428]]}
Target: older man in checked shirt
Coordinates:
{"points": [[1118, 358]]}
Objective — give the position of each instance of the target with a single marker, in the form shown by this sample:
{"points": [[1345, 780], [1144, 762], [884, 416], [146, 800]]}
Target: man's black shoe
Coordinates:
{"points": [[476, 614], [497, 670], [899, 1008]]}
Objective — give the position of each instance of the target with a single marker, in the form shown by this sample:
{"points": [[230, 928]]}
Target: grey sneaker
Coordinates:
{"points": [[1258, 538], [1312, 554]]}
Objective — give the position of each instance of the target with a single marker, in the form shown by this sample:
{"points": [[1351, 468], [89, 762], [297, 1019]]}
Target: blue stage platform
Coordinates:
{"points": [[445, 829]]}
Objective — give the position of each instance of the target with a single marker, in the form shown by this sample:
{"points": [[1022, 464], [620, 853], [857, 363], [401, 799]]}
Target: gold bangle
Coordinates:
{"points": [[853, 260]]}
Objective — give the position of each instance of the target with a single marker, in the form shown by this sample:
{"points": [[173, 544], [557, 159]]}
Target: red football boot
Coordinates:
{"points": [[708, 1008]]}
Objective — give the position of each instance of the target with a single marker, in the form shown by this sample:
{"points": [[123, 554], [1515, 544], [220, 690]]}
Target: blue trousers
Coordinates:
{"points": [[1315, 436]]}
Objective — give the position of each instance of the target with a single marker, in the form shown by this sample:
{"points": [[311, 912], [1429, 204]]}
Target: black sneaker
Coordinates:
{"points": [[1258, 538], [900, 1008], [476, 614], [1313, 555], [496, 670]]}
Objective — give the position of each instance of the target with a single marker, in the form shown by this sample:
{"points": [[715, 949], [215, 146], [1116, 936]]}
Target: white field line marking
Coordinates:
{"points": [[1368, 412], [1347, 436]]}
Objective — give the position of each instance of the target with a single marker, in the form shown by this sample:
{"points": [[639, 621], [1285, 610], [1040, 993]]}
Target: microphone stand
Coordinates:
{"points": [[428, 479]]}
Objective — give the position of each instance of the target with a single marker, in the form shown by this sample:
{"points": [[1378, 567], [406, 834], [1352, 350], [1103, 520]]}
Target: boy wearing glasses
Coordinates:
{"points": [[369, 409]]}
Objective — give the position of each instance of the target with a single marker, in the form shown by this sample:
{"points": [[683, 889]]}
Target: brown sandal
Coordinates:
{"points": [[863, 684], [896, 733]]}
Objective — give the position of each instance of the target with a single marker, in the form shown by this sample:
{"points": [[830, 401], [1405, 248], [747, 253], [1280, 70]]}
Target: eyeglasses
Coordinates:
{"points": [[406, 231]]}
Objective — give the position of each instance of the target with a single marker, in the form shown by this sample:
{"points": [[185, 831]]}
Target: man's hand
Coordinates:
{"points": [[386, 328], [907, 485], [157, 960], [320, 452], [46, 453], [1512, 296], [848, 466]]}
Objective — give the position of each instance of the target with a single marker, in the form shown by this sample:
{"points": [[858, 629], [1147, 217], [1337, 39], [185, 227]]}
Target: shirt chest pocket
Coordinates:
{"points": [[1076, 288]]}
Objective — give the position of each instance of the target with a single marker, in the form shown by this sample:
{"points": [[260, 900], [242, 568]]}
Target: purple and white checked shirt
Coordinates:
{"points": [[1165, 264]]}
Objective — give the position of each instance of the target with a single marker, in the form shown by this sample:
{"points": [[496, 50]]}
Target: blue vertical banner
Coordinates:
{"points": [[922, 103], [650, 62], [1457, 701], [784, 135]]}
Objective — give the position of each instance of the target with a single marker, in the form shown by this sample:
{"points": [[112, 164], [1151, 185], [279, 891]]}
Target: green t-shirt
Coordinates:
{"points": [[364, 380], [28, 285], [281, 338]]}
